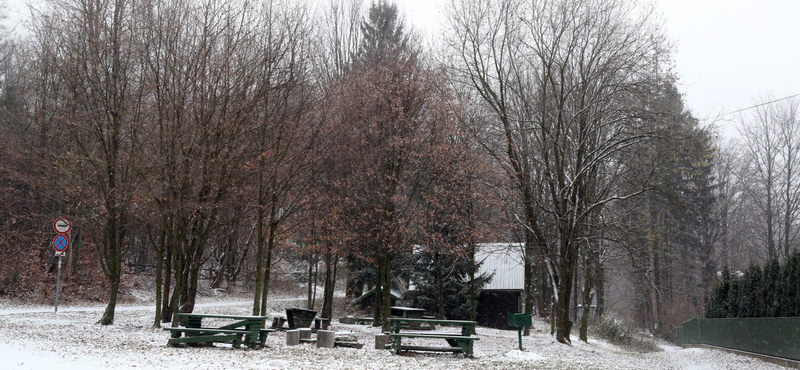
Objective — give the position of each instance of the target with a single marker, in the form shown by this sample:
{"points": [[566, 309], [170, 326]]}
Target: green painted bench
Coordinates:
{"points": [[244, 330], [458, 342]]}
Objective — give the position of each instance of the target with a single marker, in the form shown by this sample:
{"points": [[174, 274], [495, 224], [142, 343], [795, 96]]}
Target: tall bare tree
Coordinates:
{"points": [[560, 78], [93, 47]]}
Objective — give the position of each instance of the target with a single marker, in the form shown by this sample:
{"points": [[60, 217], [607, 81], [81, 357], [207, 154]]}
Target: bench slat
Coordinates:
{"points": [[211, 316], [434, 336], [432, 349], [205, 339], [442, 322], [207, 330]]}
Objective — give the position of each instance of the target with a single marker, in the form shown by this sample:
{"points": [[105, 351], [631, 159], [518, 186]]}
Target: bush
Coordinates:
{"points": [[616, 332], [613, 331]]}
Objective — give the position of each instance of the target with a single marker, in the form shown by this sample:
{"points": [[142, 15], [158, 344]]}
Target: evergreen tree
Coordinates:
{"points": [[453, 271], [791, 286], [771, 289], [734, 298], [384, 38], [719, 296], [752, 306]]}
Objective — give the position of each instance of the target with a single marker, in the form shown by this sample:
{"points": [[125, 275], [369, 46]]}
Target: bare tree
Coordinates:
{"points": [[762, 142], [93, 46], [561, 77], [788, 120]]}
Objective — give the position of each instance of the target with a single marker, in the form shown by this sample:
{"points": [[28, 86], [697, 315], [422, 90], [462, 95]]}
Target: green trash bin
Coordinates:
{"points": [[519, 321]]}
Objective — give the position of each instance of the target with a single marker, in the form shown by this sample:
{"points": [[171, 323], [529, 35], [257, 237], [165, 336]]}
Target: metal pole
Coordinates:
{"points": [[58, 281], [519, 335]]}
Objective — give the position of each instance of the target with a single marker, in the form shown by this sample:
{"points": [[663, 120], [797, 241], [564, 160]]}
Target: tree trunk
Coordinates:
{"points": [[587, 297], [439, 285], [599, 284], [260, 245], [316, 279], [268, 264], [111, 261], [68, 264], [166, 308], [176, 293], [191, 289], [330, 283], [225, 258], [159, 272], [542, 299], [377, 298], [566, 275], [108, 314], [473, 294], [310, 273], [528, 285], [387, 293], [76, 252], [574, 301]]}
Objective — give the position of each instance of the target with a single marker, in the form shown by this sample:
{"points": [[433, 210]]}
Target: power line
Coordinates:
{"points": [[759, 105]]}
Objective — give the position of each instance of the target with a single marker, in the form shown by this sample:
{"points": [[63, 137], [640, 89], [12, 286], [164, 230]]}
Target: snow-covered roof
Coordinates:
{"points": [[504, 260]]}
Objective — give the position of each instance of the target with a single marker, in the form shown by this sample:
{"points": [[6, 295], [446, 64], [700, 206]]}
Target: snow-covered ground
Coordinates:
{"points": [[36, 338]]}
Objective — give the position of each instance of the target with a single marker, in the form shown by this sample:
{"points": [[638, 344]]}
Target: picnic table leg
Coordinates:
{"points": [[237, 343], [396, 344], [466, 346]]}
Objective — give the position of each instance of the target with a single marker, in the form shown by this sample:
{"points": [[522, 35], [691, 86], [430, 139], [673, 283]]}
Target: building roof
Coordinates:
{"points": [[504, 260]]}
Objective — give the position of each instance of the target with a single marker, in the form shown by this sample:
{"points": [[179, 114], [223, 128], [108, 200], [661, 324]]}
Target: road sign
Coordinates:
{"points": [[61, 253], [62, 225], [60, 243]]}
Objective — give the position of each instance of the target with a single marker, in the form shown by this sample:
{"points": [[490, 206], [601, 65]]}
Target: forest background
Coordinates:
{"points": [[245, 140]]}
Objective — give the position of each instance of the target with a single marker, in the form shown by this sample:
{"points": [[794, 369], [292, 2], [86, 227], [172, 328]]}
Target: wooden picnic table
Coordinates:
{"points": [[245, 330], [408, 312], [458, 342]]}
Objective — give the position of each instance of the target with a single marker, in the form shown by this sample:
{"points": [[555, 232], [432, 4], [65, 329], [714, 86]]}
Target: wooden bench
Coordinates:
{"points": [[244, 330], [458, 343], [461, 342]]}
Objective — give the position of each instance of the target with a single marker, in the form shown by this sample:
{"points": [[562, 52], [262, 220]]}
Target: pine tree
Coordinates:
{"points": [[453, 271], [753, 305], [734, 298], [384, 38], [791, 286], [717, 305], [771, 289]]}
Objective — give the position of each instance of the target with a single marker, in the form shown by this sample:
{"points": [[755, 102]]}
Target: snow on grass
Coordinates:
{"points": [[70, 340], [524, 356]]}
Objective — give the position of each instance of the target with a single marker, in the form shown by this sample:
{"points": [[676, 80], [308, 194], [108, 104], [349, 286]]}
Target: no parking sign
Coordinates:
{"points": [[60, 243]]}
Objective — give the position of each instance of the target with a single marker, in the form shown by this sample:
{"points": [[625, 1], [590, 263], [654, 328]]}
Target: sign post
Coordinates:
{"points": [[519, 321], [60, 243], [58, 282]]}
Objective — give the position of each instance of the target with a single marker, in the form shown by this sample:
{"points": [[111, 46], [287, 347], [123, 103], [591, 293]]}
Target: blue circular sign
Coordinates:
{"points": [[60, 243]]}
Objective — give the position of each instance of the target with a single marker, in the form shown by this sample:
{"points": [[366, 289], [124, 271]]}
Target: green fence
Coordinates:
{"points": [[774, 336]]}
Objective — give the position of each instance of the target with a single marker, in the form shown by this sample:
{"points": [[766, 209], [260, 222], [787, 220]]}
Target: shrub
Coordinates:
{"points": [[616, 332]]}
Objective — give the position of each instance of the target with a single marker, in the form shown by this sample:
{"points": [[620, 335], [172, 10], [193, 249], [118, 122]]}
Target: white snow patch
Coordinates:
{"points": [[32, 337], [524, 356], [30, 359]]}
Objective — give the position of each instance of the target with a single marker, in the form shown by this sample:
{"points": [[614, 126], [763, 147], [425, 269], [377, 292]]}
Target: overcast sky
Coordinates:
{"points": [[728, 52]]}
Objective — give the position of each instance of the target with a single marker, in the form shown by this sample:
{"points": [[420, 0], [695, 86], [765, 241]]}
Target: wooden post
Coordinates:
{"points": [[381, 341], [325, 338], [292, 337]]}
